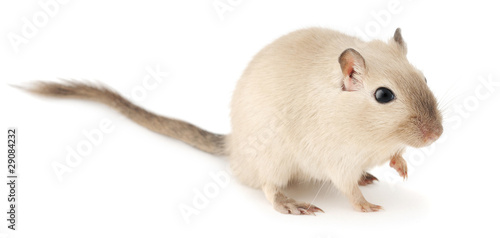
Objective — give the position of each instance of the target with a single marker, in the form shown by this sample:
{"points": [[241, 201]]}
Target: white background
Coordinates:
{"points": [[132, 184]]}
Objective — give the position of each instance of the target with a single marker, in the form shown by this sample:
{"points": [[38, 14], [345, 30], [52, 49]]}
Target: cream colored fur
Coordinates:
{"points": [[292, 121]]}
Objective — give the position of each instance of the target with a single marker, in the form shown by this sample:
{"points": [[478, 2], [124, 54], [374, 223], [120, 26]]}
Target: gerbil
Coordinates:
{"points": [[315, 104]]}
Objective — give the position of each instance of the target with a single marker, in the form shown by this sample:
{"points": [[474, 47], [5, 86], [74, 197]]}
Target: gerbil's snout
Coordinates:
{"points": [[424, 130], [426, 120]]}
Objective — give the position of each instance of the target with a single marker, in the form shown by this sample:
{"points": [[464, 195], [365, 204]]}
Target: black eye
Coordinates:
{"points": [[384, 95], [425, 80]]}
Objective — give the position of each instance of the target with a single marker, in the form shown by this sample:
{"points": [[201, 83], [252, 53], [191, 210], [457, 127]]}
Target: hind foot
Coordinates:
{"points": [[290, 206], [286, 205], [366, 179], [366, 207], [357, 199]]}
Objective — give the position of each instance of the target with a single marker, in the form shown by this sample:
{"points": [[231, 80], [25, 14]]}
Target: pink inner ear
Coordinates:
{"points": [[350, 70], [350, 83]]}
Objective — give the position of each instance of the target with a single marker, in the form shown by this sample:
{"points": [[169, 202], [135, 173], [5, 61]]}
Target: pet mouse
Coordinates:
{"points": [[314, 105]]}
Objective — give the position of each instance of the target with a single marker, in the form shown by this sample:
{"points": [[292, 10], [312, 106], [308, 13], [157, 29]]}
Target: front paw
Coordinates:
{"points": [[399, 164]]}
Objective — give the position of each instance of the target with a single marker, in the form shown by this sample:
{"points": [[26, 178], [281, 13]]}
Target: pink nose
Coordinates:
{"points": [[431, 135]]}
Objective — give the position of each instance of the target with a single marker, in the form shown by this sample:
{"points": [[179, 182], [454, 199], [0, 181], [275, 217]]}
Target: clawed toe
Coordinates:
{"points": [[292, 207], [399, 164], [309, 209]]}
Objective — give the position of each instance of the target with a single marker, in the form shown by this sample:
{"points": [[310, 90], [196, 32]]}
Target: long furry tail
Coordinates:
{"points": [[188, 133]]}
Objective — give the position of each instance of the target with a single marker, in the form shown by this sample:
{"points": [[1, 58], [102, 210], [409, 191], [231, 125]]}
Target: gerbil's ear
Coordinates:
{"points": [[353, 66], [398, 38]]}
